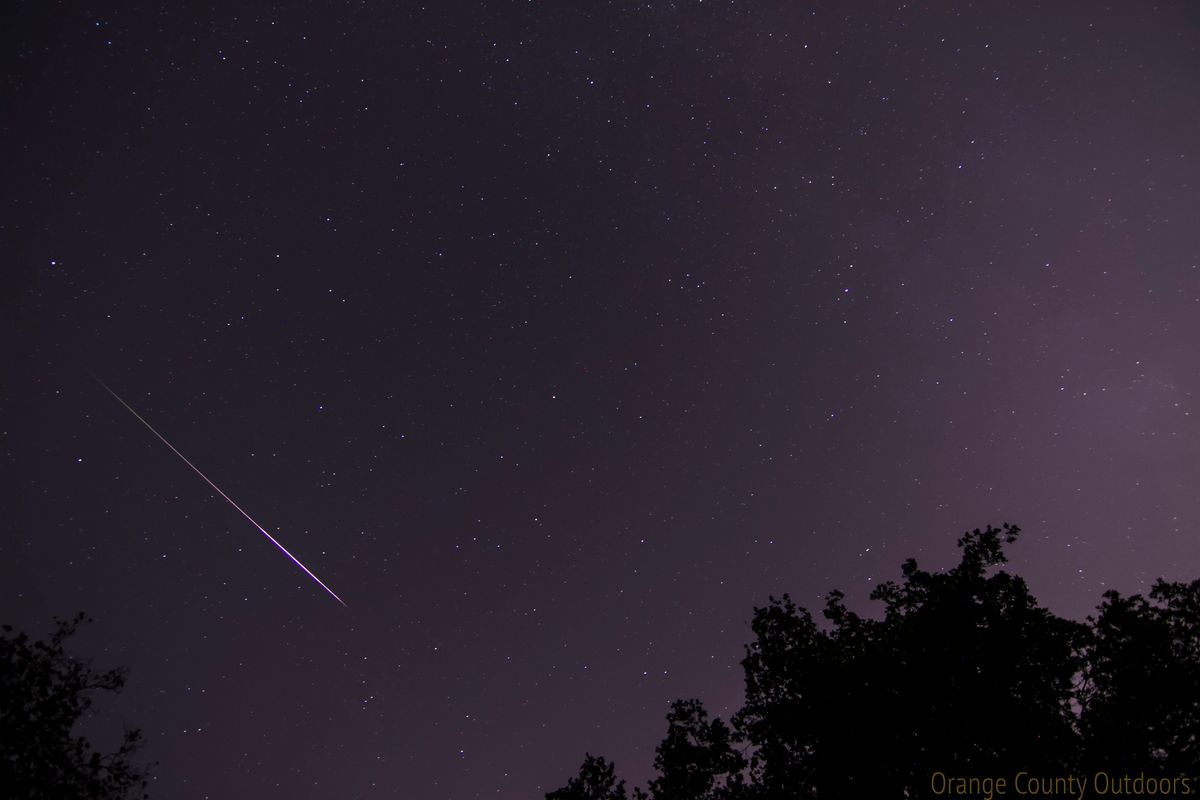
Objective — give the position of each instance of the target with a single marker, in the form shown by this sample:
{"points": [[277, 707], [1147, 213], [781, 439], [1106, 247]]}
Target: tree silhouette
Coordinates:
{"points": [[963, 673], [1141, 694], [596, 781], [695, 760], [43, 694]]}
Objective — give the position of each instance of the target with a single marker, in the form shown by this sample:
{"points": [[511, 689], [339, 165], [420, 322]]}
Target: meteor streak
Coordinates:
{"points": [[217, 489]]}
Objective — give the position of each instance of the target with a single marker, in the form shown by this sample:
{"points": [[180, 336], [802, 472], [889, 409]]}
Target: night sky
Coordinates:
{"points": [[555, 337]]}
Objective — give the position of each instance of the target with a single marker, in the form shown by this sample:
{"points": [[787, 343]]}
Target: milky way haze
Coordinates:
{"points": [[557, 337]]}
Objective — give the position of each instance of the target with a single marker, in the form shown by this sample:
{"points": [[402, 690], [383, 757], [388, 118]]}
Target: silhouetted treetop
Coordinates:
{"points": [[1141, 693], [696, 760], [596, 781], [962, 672], [43, 694]]}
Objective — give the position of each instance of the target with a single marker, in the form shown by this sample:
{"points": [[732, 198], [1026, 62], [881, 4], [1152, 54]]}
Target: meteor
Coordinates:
{"points": [[217, 489]]}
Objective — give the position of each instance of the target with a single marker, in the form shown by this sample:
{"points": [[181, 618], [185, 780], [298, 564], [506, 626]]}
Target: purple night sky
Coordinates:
{"points": [[555, 337]]}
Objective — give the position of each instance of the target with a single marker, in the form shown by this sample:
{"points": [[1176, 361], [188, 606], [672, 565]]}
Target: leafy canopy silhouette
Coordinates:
{"points": [[43, 694], [964, 673]]}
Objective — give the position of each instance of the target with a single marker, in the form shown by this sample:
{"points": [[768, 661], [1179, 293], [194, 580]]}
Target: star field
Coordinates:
{"points": [[556, 338]]}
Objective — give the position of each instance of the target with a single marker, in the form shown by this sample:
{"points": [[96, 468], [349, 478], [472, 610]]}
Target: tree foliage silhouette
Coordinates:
{"points": [[1141, 694], [696, 760], [963, 673], [596, 781], [43, 694]]}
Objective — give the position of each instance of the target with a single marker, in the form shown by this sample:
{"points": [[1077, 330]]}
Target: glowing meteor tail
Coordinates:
{"points": [[217, 489]]}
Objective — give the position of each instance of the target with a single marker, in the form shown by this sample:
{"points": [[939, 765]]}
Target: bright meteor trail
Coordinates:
{"points": [[217, 489]]}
